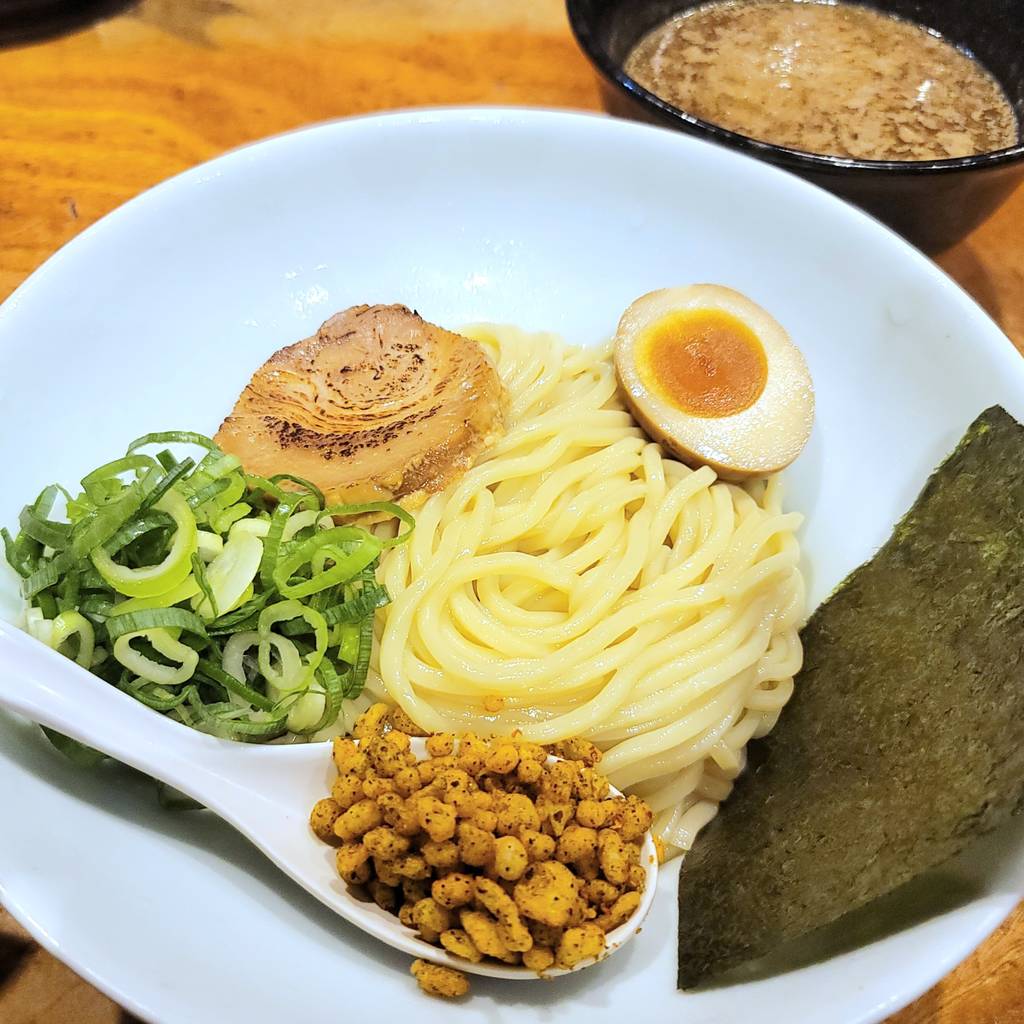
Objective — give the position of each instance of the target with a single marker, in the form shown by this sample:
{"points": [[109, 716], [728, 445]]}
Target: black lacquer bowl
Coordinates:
{"points": [[932, 203]]}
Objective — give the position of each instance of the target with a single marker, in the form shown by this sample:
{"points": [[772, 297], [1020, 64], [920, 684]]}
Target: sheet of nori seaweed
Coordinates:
{"points": [[904, 740]]}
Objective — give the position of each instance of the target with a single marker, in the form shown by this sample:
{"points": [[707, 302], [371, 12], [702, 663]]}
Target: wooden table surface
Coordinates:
{"points": [[89, 120]]}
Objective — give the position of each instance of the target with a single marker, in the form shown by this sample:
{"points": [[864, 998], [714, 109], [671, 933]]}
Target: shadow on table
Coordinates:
{"points": [[13, 951], [29, 21]]}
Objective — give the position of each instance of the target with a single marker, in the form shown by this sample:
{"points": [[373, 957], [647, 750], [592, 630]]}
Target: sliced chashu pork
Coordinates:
{"points": [[378, 404]]}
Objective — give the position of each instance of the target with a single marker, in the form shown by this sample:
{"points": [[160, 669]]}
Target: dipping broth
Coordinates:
{"points": [[827, 78]]}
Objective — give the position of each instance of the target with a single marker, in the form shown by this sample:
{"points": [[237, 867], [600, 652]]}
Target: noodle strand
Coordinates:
{"points": [[577, 582]]}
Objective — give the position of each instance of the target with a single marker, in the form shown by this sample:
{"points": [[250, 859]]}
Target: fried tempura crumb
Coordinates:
{"points": [[435, 980], [486, 848]]}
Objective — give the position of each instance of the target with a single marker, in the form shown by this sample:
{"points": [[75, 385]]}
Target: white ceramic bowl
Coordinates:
{"points": [[155, 318]]}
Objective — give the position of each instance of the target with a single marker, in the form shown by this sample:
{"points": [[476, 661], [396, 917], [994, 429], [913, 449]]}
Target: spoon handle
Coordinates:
{"points": [[253, 787], [44, 686]]}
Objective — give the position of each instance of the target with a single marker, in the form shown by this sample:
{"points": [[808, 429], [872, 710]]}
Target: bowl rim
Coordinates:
{"points": [[984, 334], [793, 159]]}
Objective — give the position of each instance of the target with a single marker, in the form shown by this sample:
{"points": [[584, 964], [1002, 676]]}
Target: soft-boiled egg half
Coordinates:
{"points": [[715, 379]]}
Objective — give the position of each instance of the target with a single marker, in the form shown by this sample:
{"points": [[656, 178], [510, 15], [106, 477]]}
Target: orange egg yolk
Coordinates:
{"points": [[705, 362]]}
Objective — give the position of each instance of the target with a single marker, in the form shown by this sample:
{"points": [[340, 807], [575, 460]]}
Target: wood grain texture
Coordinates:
{"points": [[90, 120]]}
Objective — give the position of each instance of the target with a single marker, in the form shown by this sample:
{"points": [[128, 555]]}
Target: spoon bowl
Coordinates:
{"points": [[265, 791]]}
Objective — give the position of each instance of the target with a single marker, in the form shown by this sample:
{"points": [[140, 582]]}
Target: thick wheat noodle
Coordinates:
{"points": [[577, 582]]}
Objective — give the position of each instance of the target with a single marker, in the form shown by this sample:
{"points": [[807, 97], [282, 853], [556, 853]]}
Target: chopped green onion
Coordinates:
{"points": [[230, 574], [154, 618], [46, 575], [360, 606], [207, 493], [333, 697], [69, 624], [234, 604], [175, 472], [173, 437], [355, 679], [36, 526], [156, 697], [184, 591], [38, 625], [235, 685], [155, 579], [154, 671], [312, 488], [388, 507], [258, 485], [272, 542], [223, 521], [349, 548], [96, 483], [96, 528], [47, 604], [96, 607], [208, 606], [22, 554], [301, 520], [347, 639], [291, 677], [136, 528], [209, 545], [79, 753], [239, 619]]}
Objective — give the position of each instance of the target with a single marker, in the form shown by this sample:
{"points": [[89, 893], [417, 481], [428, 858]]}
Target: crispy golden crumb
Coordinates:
{"points": [[458, 943], [585, 942], [436, 980], [322, 818], [538, 959], [484, 848]]}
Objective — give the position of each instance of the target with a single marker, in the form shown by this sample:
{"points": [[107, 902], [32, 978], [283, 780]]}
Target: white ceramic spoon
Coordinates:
{"points": [[266, 792]]}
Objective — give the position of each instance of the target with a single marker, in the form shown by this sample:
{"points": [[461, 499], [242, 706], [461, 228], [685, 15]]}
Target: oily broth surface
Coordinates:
{"points": [[833, 79]]}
